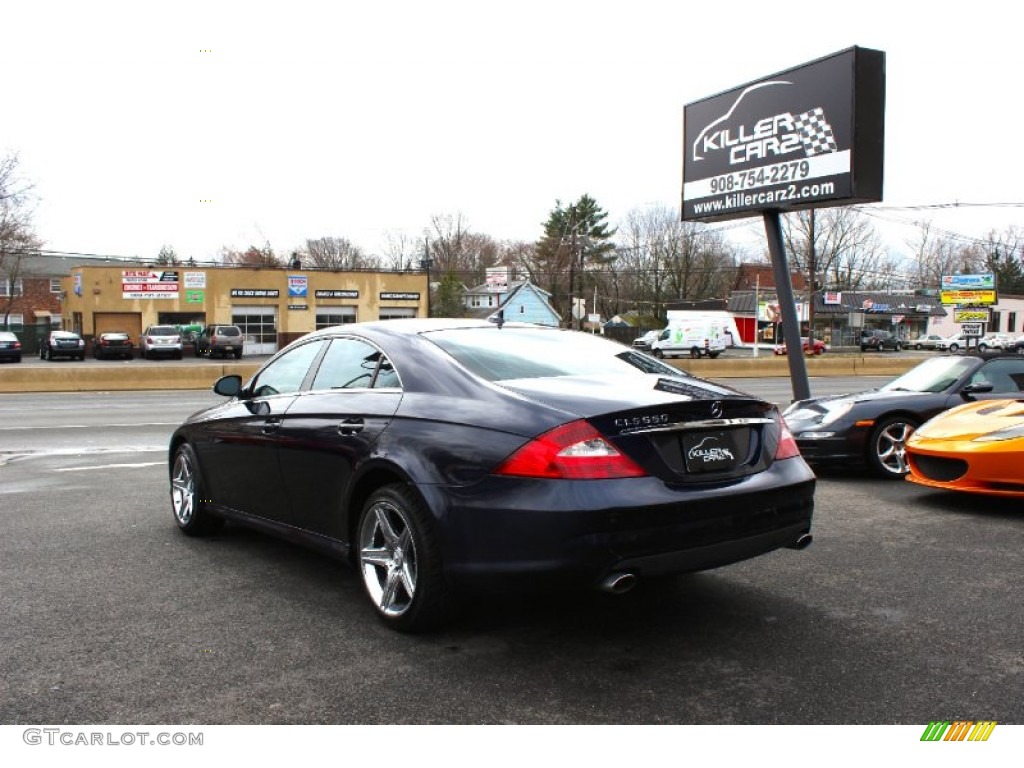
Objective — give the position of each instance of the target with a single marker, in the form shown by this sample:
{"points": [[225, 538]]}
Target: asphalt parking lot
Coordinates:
{"points": [[904, 610]]}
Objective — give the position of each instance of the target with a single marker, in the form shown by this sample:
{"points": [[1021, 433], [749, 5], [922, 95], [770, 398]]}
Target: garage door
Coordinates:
{"points": [[128, 322], [259, 327]]}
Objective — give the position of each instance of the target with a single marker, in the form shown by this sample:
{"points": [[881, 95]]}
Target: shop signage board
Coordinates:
{"points": [[144, 284], [967, 297], [971, 315]]}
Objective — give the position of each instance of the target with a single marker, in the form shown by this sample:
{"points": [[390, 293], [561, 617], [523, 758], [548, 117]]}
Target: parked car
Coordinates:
{"points": [[976, 448], [62, 344], [644, 342], [996, 341], [930, 341], [1018, 346], [161, 340], [220, 341], [872, 427], [879, 340], [819, 347], [113, 344], [10, 347], [952, 343], [445, 457]]}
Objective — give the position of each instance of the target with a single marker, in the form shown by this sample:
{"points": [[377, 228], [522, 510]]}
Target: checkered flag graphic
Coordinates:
{"points": [[815, 133]]}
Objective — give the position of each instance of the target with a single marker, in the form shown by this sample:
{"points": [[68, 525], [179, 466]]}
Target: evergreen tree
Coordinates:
{"points": [[575, 237]]}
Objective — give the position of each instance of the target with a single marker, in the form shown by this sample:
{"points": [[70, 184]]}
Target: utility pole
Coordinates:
{"points": [[810, 300]]}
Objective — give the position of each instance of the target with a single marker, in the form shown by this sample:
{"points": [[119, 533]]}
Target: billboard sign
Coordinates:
{"points": [[982, 282], [968, 298], [809, 137]]}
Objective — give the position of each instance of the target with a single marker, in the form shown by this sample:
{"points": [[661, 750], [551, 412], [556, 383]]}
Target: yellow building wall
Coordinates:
{"points": [[209, 293]]}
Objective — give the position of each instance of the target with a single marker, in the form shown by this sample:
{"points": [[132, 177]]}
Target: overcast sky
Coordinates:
{"points": [[202, 125]]}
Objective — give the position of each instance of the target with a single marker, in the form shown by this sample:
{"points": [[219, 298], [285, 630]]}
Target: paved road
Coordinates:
{"points": [[904, 610]]}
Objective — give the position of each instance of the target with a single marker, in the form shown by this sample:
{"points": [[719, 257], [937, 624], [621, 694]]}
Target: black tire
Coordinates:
{"points": [[713, 355], [886, 449], [399, 559], [897, 347], [659, 354], [238, 355], [695, 352], [983, 347], [917, 347], [954, 347], [188, 502]]}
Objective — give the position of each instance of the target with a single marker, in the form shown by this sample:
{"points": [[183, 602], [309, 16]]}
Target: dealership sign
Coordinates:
{"points": [[149, 284], [809, 137]]}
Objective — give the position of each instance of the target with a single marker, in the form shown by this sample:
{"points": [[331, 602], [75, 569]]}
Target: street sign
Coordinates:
{"points": [[973, 330]]}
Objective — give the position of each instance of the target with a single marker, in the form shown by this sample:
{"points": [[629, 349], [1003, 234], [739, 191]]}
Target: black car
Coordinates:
{"points": [[220, 341], [62, 344], [450, 457], [872, 427], [879, 340], [113, 344], [10, 347]]}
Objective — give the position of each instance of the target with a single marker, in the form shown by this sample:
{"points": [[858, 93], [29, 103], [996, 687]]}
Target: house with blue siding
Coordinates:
{"points": [[522, 302]]}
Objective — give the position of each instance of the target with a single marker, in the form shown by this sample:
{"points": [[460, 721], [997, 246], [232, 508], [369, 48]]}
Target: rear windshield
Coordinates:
{"points": [[528, 353], [227, 330], [163, 330]]}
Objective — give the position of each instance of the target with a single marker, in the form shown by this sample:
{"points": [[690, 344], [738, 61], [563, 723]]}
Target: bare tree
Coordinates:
{"points": [[335, 253], [403, 252], [847, 252], [251, 257], [937, 253], [662, 259], [17, 237]]}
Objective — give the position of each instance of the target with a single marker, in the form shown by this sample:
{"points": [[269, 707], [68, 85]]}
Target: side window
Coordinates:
{"points": [[348, 364], [286, 374], [1006, 375]]}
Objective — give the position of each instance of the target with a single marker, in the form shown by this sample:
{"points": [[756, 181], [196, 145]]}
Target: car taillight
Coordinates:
{"points": [[573, 451], [787, 448]]}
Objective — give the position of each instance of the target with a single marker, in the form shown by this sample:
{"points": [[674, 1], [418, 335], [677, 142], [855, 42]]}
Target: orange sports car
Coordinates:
{"points": [[977, 447]]}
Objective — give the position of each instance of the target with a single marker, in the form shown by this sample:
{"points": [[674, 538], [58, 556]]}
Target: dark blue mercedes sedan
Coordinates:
{"points": [[443, 458]]}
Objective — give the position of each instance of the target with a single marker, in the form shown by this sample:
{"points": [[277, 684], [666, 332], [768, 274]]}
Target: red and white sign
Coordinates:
{"points": [[149, 284]]}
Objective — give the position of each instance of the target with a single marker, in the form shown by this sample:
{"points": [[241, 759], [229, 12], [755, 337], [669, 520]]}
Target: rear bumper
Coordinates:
{"points": [[576, 532]]}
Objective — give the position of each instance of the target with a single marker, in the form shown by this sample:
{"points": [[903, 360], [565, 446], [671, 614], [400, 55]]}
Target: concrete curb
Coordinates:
{"points": [[104, 377], [79, 377]]}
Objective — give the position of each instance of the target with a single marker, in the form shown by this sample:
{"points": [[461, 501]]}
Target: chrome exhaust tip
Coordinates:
{"points": [[803, 541], [618, 583]]}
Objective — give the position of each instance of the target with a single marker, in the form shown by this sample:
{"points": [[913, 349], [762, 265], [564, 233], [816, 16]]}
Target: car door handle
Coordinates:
{"points": [[350, 427], [270, 426]]}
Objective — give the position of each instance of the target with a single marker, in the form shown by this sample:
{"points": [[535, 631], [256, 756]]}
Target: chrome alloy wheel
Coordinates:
{"points": [[891, 447], [183, 489], [387, 556]]}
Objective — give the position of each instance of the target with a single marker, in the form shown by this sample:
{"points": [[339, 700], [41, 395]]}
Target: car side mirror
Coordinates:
{"points": [[976, 388], [228, 386]]}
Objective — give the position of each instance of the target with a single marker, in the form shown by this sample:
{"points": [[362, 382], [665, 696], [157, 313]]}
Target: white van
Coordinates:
{"points": [[699, 337]]}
